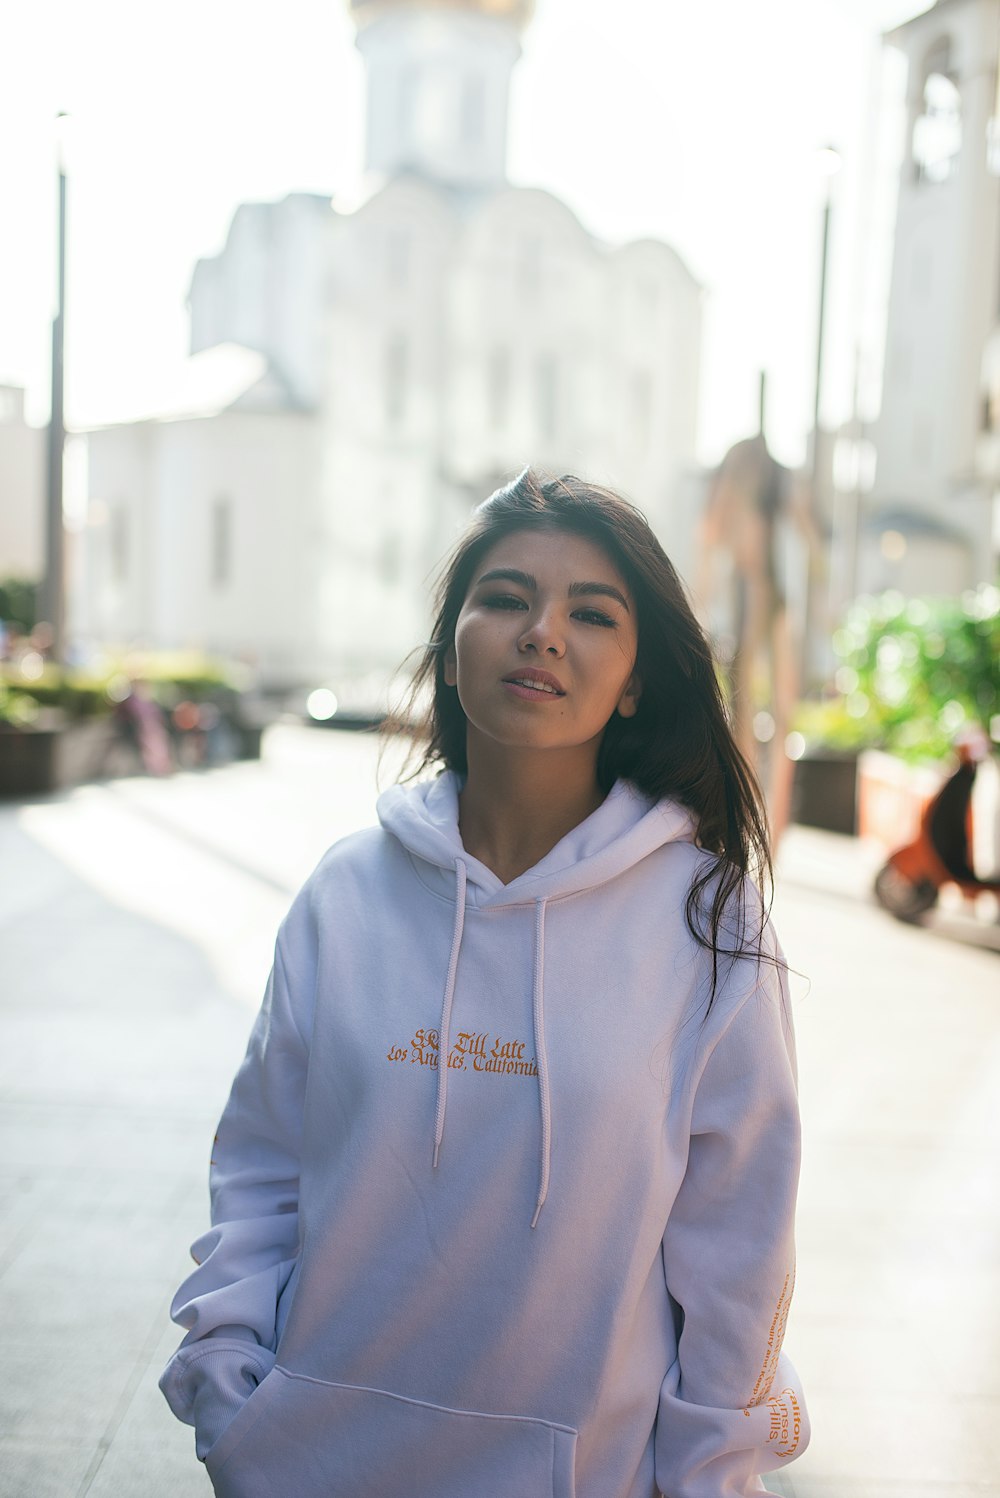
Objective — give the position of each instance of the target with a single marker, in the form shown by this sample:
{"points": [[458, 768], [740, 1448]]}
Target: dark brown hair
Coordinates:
{"points": [[678, 743]]}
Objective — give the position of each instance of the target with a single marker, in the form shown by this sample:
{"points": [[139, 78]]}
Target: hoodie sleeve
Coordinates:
{"points": [[228, 1306], [731, 1407]]}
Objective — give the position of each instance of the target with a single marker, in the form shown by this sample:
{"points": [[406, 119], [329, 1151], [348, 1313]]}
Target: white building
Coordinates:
{"points": [[22, 489], [930, 521], [406, 357]]}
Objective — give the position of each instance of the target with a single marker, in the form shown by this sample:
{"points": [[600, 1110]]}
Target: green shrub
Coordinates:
{"points": [[77, 694], [19, 602], [914, 672]]}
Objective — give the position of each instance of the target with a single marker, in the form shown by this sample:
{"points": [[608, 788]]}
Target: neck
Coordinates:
{"points": [[516, 806]]}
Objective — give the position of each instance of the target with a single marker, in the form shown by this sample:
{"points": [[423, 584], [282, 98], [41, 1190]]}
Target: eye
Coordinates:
{"points": [[596, 616], [504, 601]]}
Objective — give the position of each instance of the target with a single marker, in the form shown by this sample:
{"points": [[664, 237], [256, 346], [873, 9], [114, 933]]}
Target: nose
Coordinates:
{"points": [[542, 635]]}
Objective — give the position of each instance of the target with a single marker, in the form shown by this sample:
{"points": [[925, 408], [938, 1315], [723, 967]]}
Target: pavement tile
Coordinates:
{"points": [[147, 1416], [65, 1386], [135, 1469], [121, 1247], [49, 1468], [23, 1198], [52, 1138], [103, 1317]]}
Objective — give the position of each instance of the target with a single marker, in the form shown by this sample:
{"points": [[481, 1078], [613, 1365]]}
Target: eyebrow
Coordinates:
{"points": [[576, 590]]}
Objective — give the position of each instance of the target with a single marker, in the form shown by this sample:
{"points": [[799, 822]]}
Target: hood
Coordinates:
{"points": [[624, 829]]}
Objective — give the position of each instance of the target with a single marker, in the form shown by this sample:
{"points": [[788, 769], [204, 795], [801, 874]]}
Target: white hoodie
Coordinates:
{"points": [[560, 1265]]}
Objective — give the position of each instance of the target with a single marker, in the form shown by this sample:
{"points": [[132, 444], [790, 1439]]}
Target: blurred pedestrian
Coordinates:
{"points": [[750, 496], [502, 1196], [141, 725]]}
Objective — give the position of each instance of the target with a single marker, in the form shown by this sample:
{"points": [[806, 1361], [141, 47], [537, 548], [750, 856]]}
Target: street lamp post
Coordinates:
{"points": [[54, 591], [829, 165], [824, 264]]}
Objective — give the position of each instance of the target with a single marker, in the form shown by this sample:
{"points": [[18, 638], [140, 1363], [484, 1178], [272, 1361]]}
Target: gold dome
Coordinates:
{"points": [[518, 11]]}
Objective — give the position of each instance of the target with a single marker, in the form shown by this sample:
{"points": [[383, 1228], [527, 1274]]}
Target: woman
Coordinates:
{"points": [[502, 1196]]}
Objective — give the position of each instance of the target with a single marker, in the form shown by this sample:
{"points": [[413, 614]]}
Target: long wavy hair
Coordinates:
{"points": [[678, 743]]}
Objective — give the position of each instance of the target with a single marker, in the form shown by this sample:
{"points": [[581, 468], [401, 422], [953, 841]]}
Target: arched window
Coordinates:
{"points": [[221, 542], [529, 267], [119, 542], [642, 408], [397, 256], [546, 395], [990, 386], [472, 112], [937, 131], [390, 557], [396, 376], [498, 385]]}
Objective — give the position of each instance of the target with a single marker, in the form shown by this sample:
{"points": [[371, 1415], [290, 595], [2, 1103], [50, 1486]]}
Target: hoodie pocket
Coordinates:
{"points": [[322, 1440]]}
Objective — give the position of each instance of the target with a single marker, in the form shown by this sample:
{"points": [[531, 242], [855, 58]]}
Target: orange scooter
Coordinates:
{"points": [[908, 883]]}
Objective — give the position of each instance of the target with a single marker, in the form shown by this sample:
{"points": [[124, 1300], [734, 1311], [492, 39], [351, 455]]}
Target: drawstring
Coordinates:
{"points": [[538, 1020], [444, 1029], [544, 1095]]}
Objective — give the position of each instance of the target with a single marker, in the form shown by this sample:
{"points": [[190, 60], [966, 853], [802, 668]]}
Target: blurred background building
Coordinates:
{"points": [[22, 470], [930, 522], [361, 378], [362, 372]]}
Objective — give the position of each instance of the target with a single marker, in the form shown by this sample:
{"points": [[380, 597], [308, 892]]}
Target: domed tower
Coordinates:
{"points": [[438, 85]]}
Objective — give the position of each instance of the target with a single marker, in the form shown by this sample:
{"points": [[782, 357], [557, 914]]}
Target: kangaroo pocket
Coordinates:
{"points": [[322, 1440]]}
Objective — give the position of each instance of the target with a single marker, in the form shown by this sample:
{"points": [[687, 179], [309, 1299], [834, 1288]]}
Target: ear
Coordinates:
{"points": [[450, 667], [628, 702]]}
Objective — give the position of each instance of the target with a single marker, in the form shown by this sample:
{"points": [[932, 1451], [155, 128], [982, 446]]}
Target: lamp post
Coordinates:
{"points": [[829, 164], [54, 590]]}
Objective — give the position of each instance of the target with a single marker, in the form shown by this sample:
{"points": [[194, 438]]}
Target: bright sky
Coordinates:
{"points": [[696, 122]]}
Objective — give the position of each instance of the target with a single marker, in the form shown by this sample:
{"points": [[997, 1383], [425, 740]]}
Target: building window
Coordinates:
{"points": [[118, 539], [434, 108], [396, 375], [397, 257], [390, 557], [990, 402], [902, 362], [648, 298], [472, 112], [546, 388], [221, 543], [937, 132], [920, 273], [642, 408], [406, 103], [498, 386], [529, 268]]}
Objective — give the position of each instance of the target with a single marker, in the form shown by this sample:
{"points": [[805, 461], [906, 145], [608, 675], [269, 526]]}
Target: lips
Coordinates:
{"points": [[532, 679]]}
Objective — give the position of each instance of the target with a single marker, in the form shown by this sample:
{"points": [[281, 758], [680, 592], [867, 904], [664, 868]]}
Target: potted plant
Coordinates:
{"points": [[913, 674]]}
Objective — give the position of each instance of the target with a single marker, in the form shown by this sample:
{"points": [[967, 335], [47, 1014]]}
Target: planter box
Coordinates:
{"points": [[892, 796], [248, 737], [824, 792], [34, 761]]}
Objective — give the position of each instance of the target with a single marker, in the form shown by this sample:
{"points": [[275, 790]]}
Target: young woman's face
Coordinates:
{"points": [[545, 644]]}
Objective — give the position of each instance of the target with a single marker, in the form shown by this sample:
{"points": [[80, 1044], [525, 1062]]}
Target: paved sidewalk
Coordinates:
{"points": [[136, 926]]}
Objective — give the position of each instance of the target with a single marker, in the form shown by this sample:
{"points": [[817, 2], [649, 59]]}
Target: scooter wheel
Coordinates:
{"points": [[901, 898]]}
